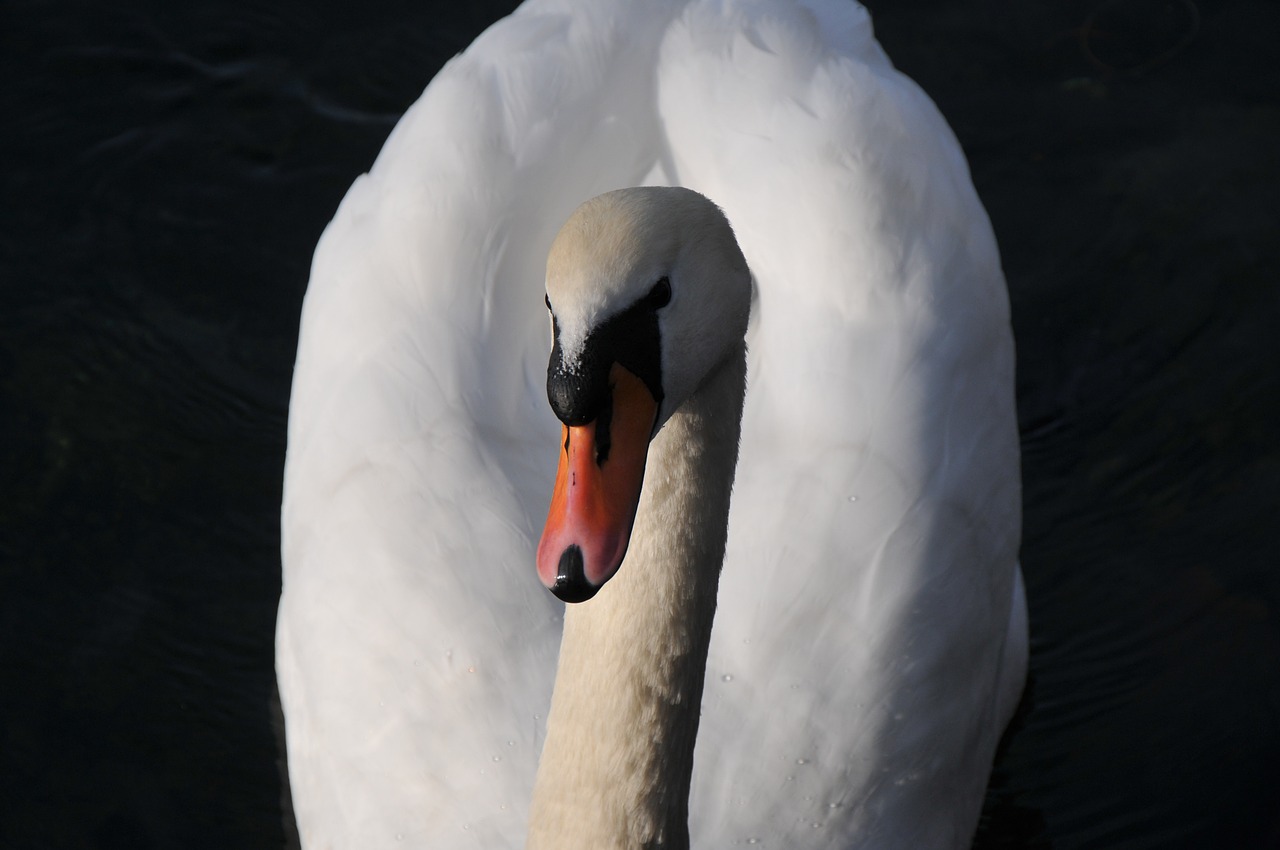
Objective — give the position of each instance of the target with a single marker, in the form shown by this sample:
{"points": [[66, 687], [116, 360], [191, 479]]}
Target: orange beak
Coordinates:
{"points": [[597, 491]]}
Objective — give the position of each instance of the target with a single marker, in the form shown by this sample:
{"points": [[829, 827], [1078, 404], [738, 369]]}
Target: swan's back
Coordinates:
{"points": [[853, 681]]}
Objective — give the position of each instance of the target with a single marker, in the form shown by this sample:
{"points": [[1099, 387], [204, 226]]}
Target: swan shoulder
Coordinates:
{"points": [[413, 633], [869, 581]]}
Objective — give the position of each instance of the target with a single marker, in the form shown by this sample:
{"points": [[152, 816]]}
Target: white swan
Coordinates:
{"points": [[869, 645]]}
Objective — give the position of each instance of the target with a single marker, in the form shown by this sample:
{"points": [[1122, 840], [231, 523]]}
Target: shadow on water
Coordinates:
{"points": [[168, 169]]}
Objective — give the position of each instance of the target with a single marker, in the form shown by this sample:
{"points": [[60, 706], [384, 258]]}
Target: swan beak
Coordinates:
{"points": [[597, 491]]}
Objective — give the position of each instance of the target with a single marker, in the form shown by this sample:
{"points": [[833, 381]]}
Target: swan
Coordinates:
{"points": [[796, 616]]}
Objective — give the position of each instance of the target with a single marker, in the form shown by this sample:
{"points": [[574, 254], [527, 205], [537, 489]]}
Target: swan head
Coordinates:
{"points": [[649, 294]]}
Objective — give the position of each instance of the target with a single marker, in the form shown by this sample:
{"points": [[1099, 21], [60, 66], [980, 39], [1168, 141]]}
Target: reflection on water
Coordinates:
{"points": [[167, 171]]}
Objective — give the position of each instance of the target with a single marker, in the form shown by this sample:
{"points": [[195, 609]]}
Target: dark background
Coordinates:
{"points": [[166, 169]]}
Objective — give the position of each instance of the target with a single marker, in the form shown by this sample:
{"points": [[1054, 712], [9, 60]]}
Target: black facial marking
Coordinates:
{"points": [[631, 339], [576, 395]]}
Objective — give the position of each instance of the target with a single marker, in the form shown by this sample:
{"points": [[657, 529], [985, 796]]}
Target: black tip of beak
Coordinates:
{"points": [[571, 579]]}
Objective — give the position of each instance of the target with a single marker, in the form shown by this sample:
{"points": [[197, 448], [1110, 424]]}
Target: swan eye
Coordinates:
{"points": [[660, 295]]}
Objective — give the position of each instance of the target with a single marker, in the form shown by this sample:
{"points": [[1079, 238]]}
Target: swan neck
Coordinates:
{"points": [[618, 758]]}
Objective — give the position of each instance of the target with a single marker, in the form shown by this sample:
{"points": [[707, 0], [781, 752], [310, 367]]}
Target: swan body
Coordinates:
{"points": [[869, 639]]}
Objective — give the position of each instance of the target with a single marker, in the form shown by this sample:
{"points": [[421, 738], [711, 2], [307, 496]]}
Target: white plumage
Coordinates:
{"points": [[869, 644]]}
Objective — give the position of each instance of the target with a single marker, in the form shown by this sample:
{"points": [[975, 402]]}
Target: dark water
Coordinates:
{"points": [[165, 171]]}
